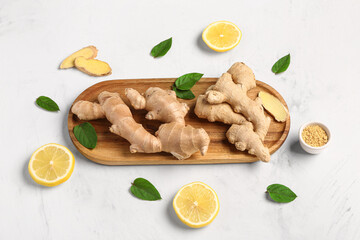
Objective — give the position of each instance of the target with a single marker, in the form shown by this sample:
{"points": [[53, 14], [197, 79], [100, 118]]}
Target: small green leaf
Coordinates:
{"points": [[143, 189], [184, 94], [85, 133], [187, 81], [281, 65], [280, 193], [162, 48], [47, 104]]}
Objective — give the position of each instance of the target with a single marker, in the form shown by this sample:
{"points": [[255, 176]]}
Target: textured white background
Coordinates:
{"points": [[322, 83]]}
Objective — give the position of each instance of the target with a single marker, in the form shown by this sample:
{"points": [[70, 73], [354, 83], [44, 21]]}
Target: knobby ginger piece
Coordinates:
{"points": [[89, 52], [161, 104], [245, 138], [225, 90], [92, 67], [273, 106], [86, 110], [243, 75], [124, 125], [182, 141], [221, 112]]}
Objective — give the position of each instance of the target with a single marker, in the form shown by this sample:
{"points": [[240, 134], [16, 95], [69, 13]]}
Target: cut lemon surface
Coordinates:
{"points": [[51, 164], [221, 36], [196, 204]]}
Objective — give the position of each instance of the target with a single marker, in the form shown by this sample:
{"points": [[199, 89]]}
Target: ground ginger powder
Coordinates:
{"points": [[314, 135]]}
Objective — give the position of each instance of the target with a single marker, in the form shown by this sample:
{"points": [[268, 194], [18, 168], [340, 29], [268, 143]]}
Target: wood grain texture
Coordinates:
{"points": [[114, 150]]}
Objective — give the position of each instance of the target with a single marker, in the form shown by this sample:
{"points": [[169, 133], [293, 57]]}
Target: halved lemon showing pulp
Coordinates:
{"points": [[196, 204], [51, 164], [221, 36]]}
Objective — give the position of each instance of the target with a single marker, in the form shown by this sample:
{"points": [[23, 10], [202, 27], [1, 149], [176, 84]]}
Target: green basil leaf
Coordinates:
{"points": [[162, 48], [187, 81], [143, 189], [281, 65], [85, 133], [184, 94], [47, 104], [280, 193]]}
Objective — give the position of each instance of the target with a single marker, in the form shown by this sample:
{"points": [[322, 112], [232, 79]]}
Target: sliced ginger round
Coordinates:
{"points": [[51, 165], [92, 67], [273, 106], [221, 36], [196, 204], [86, 52]]}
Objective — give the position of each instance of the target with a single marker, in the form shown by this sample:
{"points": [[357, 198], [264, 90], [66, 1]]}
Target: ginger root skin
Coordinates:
{"points": [[245, 138], [225, 90], [161, 104], [176, 138], [86, 110], [273, 106], [182, 141], [124, 125], [92, 67], [217, 112], [89, 52], [243, 75], [136, 99]]}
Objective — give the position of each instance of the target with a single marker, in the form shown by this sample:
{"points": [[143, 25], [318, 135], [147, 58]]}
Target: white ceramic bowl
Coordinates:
{"points": [[308, 148]]}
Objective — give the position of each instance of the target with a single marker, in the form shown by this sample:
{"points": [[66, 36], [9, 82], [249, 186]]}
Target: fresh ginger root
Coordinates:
{"points": [[86, 110], [176, 138], [89, 52], [243, 75], [161, 104], [124, 125], [92, 67], [225, 90], [273, 106], [182, 141], [217, 112], [245, 138]]}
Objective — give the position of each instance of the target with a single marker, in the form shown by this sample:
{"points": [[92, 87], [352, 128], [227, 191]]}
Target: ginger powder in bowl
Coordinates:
{"points": [[314, 137]]}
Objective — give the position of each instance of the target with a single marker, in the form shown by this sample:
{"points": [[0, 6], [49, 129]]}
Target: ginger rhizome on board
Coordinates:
{"points": [[173, 136], [227, 102]]}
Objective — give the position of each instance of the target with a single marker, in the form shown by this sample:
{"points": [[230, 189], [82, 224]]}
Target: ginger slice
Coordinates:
{"points": [[92, 67], [273, 106], [89, 52]]}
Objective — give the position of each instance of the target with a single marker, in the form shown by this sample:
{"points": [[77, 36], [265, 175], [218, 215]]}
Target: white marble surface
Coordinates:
{"points": [[322, 83]]}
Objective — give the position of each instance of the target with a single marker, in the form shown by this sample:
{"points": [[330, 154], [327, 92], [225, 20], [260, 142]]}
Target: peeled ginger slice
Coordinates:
{"points": [[274, 106], [92, 67], [89, 52]]}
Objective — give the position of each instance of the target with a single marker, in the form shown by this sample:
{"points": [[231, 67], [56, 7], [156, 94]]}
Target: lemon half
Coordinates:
{"points": [[51, 164], [221, 36], [196, 204]]}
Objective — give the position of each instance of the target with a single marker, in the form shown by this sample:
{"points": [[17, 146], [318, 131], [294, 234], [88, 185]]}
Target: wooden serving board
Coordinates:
{"points": [[114, 150]]}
